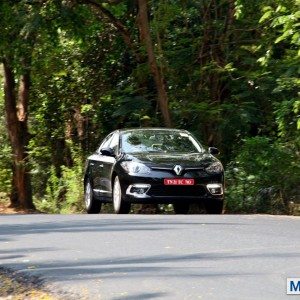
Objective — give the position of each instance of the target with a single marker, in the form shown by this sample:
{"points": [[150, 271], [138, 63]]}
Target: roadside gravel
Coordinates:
{"points": [[15, 285]]}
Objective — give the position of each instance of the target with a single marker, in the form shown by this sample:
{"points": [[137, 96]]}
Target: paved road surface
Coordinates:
{"points": [[156, 256]]}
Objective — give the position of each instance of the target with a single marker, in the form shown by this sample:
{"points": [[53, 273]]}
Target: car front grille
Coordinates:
{"points": [[177, 191]]}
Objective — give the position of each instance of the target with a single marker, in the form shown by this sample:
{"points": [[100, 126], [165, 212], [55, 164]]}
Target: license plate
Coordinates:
{"points": [[176, 181]]}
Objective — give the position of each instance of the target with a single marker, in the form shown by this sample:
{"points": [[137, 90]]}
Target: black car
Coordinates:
{"points": [[153, 165]]}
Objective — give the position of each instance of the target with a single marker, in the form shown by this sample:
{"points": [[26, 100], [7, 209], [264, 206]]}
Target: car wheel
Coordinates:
{"points": [[120, 207], [181, 208], [213, 206], [92, 206]]}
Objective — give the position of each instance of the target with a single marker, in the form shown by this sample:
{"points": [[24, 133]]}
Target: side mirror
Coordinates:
{"points": [[213, 151], [107, 152]]}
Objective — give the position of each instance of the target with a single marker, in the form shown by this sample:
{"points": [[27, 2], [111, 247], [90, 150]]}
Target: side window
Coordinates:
{"points": [[115, 143], [106, 142]]}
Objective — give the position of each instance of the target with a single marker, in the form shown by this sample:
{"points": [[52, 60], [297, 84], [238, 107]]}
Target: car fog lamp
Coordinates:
{"points": [[215, 188], [138, 190]]}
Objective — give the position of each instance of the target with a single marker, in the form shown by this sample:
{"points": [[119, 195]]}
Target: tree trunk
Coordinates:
{"points": [[143, 24], [144, 28], [124, 32], [16, 120]]}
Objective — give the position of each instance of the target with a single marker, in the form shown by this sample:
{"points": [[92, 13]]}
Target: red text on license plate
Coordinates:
{"points": [[176, 181]]}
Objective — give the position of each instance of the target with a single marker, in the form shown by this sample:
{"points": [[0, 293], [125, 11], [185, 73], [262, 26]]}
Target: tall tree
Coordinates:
{"points": [[15, 51], [16, 110], [146, 41], [145, 34]]}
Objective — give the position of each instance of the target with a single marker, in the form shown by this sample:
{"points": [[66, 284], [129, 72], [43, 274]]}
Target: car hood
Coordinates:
{"points": [[169, 159]]}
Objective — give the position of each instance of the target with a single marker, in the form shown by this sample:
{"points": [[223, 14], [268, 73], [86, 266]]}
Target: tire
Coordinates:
{"points": [[120, 207], [92, 206], [181, 208], [213, 206]]}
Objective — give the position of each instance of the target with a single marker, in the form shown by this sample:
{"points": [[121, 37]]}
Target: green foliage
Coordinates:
{"points": [[5, 150], [232, 77], [5, 163], [64, 193], [5, 167], [287, 118], [263, 177], [54, 190], [73, 182]]}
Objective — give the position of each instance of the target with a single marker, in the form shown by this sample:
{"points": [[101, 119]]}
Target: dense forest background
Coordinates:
{"points": [[72, 71]]}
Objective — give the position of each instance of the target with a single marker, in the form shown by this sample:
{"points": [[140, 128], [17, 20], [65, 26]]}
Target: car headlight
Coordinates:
{"points": [[132, 167], [214, 168]]}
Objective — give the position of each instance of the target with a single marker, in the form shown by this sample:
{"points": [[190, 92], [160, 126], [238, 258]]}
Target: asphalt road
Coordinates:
{"points": [[155, 256]]}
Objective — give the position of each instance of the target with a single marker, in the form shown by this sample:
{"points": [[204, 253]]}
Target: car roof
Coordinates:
{"points": [[152, 129]]}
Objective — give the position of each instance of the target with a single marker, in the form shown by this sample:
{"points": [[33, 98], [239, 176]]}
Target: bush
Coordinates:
{"points": [[262, 178], [5, 169], [64, 194]]}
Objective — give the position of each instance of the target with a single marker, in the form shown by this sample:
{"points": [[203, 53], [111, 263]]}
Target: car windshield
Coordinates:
{"points": [[159, 141]]}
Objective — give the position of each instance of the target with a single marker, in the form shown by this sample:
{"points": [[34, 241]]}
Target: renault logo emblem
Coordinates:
{"points": [[178, 169]]}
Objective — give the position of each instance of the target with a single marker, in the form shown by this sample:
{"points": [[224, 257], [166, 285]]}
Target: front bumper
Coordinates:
{"points": [[143, 189]]}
